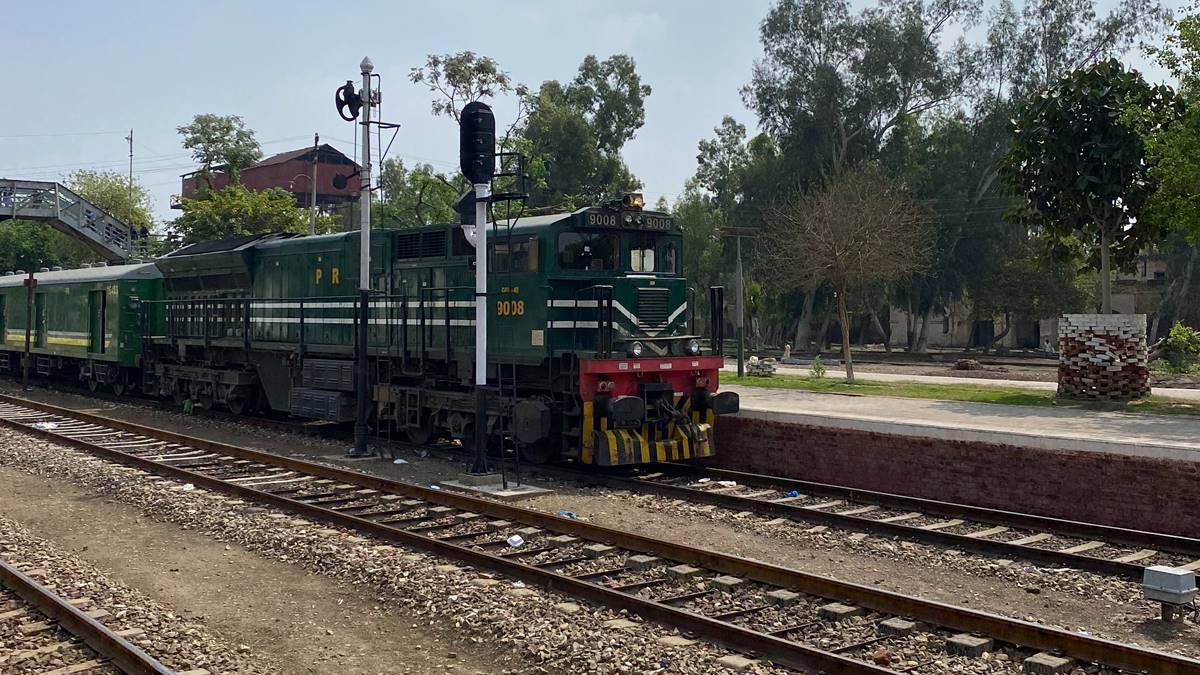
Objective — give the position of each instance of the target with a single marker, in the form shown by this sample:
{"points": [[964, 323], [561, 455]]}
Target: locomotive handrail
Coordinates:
{"points": [[691, 309]]}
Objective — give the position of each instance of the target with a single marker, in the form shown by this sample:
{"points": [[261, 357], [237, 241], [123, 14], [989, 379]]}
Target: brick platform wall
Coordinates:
{"points": [[1120, 490]]}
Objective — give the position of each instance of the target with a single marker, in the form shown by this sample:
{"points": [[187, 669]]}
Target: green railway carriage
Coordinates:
{"points": [[86, 322]]}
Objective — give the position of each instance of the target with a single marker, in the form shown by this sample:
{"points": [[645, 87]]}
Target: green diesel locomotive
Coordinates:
{"points": [[593, 350]]}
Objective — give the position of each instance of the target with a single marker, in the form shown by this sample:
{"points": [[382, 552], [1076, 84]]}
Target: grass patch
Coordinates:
{"points": [[969, 392]]}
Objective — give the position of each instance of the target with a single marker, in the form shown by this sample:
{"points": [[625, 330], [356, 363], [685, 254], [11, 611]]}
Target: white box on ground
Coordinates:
{"points": [[1168, 584]]}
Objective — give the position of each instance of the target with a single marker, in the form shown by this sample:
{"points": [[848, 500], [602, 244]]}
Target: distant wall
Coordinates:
{"points": [[1126, 491]]}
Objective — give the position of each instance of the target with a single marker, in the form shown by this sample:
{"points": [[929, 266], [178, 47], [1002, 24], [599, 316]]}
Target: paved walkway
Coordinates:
{"points": [[1165, 436], [1185, 395]]}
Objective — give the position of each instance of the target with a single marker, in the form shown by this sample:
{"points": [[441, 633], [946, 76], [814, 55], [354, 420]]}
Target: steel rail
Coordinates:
{"points": [[784, 652], [1143, 538], [1049, 557], [123, 654]]}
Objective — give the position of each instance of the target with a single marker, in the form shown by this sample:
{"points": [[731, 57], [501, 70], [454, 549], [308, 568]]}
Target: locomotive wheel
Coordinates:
{"points": [[237, 405], [419, 435], [93, 385], [542, 452], [179, 394], [118, 386]]}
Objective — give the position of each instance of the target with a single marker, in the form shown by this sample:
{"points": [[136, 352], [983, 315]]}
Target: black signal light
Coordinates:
{"points": [[477, 142]]}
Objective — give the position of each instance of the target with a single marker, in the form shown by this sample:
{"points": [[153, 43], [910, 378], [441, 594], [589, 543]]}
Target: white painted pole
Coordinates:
{"points": [[362, 391], [482, 192]]}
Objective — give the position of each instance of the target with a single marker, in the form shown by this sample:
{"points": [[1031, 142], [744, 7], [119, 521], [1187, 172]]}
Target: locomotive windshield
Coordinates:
{"points": [[590, 251], [650, 253]]}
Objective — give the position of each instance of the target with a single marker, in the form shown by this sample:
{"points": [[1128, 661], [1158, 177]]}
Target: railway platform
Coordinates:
{"points": [[1138, 471], [1174, 437]]}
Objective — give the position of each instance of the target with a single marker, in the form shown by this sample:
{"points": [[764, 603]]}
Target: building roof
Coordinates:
{"points": [[109, 273], [327, 155]]}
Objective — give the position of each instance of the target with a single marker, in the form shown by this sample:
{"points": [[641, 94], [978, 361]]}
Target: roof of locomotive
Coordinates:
{"points": [[87, 274]]}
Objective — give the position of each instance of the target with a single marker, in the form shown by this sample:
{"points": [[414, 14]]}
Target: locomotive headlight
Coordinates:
{"points": [[693, 347], [635, 349]]}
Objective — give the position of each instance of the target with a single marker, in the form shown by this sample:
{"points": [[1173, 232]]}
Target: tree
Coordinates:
{"points": [[859, 229], [722, 162], [234, 210], [27, 245], [836, 83], [458, 79], [1080, 167], [220, 140], [111, 191], [417, 196], [611, 97], [703, 249], [574, 134]]}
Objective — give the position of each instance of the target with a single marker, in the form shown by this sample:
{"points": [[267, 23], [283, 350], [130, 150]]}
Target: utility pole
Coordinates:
{"points": [[364, 269], [741, 328], [129, 138], [477, 159], [312, 179]]}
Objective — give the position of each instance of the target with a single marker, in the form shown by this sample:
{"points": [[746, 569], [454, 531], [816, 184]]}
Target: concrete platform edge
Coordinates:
{"points": [[1042, 441]]}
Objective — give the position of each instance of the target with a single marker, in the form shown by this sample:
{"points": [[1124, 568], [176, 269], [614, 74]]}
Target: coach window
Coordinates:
{"points": [[587, 251], [519, 255]]}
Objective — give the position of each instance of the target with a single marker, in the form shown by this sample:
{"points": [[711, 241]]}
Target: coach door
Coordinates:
{"points": [[39, 319], [96, 301]]}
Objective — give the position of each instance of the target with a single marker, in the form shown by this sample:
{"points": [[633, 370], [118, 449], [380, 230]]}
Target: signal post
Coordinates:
{"points": [[477, 159]]}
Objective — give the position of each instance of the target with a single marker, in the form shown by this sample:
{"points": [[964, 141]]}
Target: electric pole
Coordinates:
{"points": [[364, 269], [741, 328], [312, 179], [130, 213]]}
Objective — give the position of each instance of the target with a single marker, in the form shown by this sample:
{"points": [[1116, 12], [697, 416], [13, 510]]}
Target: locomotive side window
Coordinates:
{"points": [[669, 259], [519, 256], [587, 251]]}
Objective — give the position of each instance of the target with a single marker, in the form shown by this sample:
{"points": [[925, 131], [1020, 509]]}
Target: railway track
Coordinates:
{"points": [[1051, 542], [798, 620], [36, 622], [1010, 535]]}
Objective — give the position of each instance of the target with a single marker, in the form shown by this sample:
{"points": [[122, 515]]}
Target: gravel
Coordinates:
{"points": [[178, 643], [452, 597]]}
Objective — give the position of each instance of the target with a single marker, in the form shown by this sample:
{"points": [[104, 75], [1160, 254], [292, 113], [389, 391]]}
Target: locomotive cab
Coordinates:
{"points": [[622, 314]]}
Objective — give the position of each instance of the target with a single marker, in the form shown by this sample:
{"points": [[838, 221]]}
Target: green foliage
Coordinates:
{"points": [[1173, 140], [1182, 349], [221, 141], [27, 245], [111, 191], [234, 211], [1079, 165], [458, 79], [836, 83], [817, 367], [417, 196], [574, 134]]}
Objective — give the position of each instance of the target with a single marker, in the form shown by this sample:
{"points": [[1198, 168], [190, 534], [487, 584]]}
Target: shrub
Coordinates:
{"points": [[818, 367], [1182, 348]]}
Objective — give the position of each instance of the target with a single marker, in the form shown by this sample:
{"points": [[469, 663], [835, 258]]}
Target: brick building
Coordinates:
{"points": [[289, 171]]}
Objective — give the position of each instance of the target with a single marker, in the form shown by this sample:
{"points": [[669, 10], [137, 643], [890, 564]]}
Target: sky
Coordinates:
{"points": [[81, 74]]}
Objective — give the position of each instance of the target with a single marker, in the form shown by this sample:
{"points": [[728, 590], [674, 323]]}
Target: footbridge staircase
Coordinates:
{"points": [[69, 213]]}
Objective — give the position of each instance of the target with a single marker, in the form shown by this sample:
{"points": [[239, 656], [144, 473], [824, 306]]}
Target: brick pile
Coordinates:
{"points": [[1102, 357]]}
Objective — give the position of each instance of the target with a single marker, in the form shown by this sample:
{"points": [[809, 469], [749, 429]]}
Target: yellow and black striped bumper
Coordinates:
{"points": [[617, 447]]}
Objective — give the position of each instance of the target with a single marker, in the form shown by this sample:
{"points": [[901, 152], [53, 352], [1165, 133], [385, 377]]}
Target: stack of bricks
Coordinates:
{"points": [[1102, 357], [760, 367]]}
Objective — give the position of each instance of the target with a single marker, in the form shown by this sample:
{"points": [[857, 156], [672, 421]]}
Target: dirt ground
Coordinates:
{"points": [[304, 622], [1067, 610]]}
